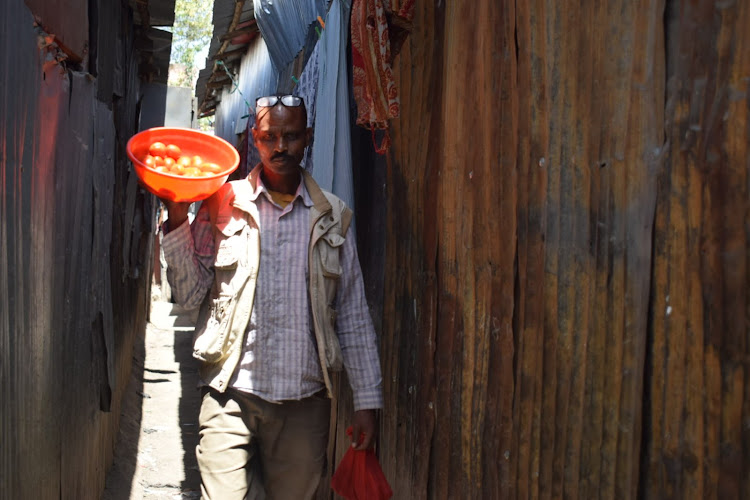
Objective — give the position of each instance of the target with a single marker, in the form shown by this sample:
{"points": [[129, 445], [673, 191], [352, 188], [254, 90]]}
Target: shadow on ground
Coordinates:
{"points": [[121, 472], [155, 454]]}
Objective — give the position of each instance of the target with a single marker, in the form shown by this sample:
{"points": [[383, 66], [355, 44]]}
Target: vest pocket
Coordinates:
{"points": [[210, 344], [213, 343], [231, 244], [227, 255], [329, 254]]}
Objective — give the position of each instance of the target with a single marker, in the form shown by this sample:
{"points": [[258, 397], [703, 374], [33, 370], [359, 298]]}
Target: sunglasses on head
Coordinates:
{"points": [[290, 101]]}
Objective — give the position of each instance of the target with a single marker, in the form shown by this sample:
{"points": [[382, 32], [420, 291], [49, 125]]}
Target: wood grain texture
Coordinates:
{"points": [[697, 445], [542, 216]]}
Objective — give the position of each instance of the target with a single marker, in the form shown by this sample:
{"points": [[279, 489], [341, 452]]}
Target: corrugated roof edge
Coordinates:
{"points": [[234, 28]]}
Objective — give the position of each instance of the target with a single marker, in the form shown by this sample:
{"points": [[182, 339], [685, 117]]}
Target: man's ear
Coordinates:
{"points": [[308, 136]]}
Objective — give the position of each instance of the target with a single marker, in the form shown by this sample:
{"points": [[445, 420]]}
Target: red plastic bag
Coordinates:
{"points": [[359, 476]]}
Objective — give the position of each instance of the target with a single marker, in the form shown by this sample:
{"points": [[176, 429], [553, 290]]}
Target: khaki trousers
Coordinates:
{"points": [[251, 448]]}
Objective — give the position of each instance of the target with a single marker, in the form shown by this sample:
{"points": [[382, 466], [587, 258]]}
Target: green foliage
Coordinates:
{"points": [[205, 123], [191, 33]]}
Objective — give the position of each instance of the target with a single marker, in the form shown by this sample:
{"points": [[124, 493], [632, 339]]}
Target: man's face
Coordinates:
{"points": [[281, 135]]}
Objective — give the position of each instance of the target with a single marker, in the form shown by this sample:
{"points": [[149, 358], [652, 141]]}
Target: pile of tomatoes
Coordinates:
{"points": [[168, 158]]}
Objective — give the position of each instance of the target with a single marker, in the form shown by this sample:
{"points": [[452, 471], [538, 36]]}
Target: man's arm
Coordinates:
{"points": [[358, 346], [189, 252], [177, 213]]}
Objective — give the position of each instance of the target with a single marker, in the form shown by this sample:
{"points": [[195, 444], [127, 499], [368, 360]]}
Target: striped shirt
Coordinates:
{"points": [[279, 359]]}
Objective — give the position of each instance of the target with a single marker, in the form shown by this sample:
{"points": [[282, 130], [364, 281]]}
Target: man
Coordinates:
{"points": [[271, 264]]}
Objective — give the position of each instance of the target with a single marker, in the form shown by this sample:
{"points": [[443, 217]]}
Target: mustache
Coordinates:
{"points": [[281, 155]]}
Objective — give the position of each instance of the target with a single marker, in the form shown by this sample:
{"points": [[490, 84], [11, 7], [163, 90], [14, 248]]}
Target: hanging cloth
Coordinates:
{"points": [[332, 142], [375, 90], [402, 8], [399, 14]]}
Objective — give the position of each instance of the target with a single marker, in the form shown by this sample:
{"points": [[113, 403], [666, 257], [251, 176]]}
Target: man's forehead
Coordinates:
{"points": [[280, 127], [280, 116]]}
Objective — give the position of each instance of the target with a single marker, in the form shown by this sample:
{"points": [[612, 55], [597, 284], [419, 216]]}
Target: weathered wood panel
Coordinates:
{"points": [[587, 85], [476, 239], [410, 281], [601, 129], [698, 441]]}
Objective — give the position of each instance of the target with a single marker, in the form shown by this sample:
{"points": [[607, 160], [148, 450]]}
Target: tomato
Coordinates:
{"points": [[158, 160], [211, 168], [197, 160], [185, 161], [169, 161], [192, 171], [173, 151], [149, 161], [176, 169], [157, 149]]}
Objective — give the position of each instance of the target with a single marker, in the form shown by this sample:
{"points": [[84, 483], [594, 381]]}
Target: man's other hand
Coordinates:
{"points": [[364, 422]]}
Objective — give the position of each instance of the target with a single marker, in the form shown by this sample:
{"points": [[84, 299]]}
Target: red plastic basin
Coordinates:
{"points": [[192, 142]]}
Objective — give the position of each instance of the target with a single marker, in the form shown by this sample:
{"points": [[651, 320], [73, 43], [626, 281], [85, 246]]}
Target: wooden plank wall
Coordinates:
{"points": [[698, 444], [562, 174], [75, 254]]}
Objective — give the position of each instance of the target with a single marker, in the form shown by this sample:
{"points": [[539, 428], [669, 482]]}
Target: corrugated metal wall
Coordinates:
{"points": [[566, 268], [255, 77], [75, 245]]}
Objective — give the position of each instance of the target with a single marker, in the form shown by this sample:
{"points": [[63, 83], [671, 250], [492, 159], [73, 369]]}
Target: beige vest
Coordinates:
{"points": [[225, 313]]}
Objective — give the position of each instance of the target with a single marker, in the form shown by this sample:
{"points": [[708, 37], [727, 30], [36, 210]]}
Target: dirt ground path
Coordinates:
{"points": [[155, 452]]}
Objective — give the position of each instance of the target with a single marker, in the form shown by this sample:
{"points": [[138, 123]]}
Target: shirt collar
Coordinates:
{"points": [[260, 187]]}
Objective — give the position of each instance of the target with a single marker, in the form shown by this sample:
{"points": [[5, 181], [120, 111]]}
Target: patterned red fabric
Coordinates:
{"points": [[402, 8], [375, 90]]}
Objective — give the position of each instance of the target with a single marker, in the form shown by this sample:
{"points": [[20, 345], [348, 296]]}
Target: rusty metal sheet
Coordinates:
{"points": [[28, 100], [155, 47], [102, 206], [67, 21], [70, 302], [103, 47], [159, 12], [64, 341]]}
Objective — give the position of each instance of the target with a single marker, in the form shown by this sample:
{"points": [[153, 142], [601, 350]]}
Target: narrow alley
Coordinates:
{"points": [[546, 215], [154, 456]]}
